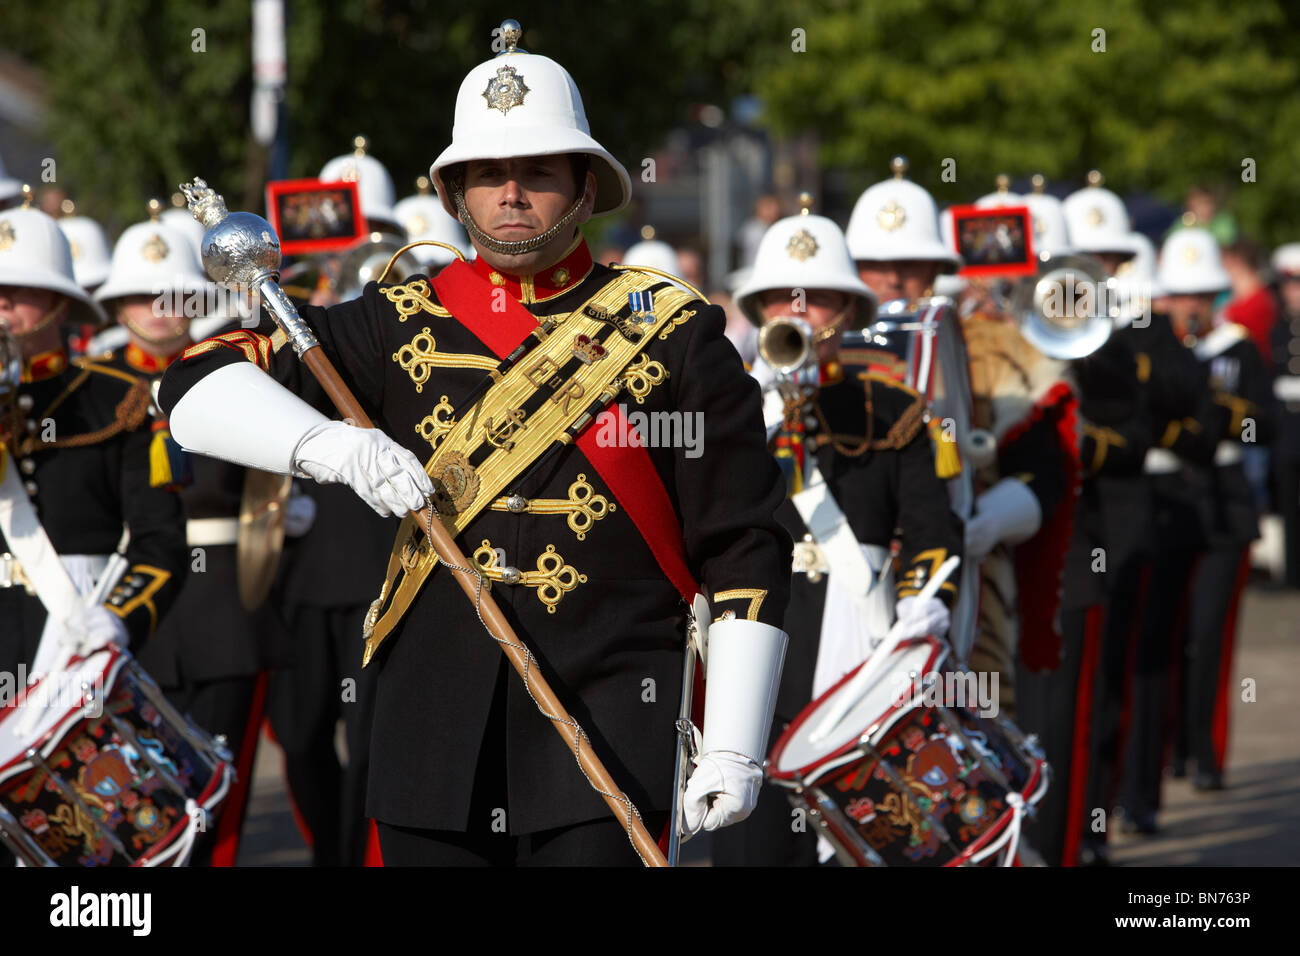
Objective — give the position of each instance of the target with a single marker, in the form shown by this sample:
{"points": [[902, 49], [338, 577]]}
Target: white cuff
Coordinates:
{"points": [[239, 413], [744, 672]]}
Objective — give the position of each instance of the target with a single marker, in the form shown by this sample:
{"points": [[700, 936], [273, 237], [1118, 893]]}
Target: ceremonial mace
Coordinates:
{"points": [[242, 249]]}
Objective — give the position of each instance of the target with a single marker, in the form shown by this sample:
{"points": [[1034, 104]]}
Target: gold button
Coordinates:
{"points": [[496, 278], [560, 276]]}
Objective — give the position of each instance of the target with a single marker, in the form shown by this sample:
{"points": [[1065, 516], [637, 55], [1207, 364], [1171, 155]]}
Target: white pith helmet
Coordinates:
{"points": [[1051, 231], [9, 187], [652, 252], [423, 217], [896, 219], [1003, 196], [34, 254], [181, 219], [804, 252], [1135, 280], [152, 258], [523, 104], [1097, 219], [88, 245], [1190, 264], [374, 185], [1286, 259]]}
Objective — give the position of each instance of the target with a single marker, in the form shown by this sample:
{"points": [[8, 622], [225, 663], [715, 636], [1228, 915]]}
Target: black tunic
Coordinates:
{"points": [[612, 646], [81, 443]]}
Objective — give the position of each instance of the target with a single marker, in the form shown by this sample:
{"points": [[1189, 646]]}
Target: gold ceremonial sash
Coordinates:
{"points": [[547, 396]]}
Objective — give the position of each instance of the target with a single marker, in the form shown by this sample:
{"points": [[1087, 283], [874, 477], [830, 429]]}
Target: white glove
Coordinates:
{"points": [[917, 618], [98, 628], [1008, 512], [384, 474], [722, 790], [300, 513]]}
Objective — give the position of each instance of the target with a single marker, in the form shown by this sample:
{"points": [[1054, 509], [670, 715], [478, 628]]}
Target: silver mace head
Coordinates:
{"points": [[239, 248]]}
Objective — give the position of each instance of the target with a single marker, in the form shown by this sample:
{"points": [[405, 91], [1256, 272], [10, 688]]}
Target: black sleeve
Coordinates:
{"points": [[1117, 429], [728, 493], [157, 555], [930, 531], [1034, 457], [349, 335]]}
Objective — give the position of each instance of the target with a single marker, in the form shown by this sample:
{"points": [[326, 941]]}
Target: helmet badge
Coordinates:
{"points": [[1191, 255], [891, 216], [154, 250], [1095, 216], [505, 90], [802, 246], [6, 236]]}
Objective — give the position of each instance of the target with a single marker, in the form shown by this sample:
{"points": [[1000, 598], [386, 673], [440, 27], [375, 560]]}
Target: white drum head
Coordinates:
{"points": [[797, 754], [60, 698]]}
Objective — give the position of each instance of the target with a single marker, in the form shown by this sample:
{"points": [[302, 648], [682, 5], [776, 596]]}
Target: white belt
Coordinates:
{"points": [[209, 532], [84, 569], [1287, 388], [1227, 453], [1161, 461]]}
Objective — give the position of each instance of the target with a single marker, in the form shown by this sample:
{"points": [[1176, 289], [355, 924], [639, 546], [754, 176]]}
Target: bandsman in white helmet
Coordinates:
{"points": [[207, 653], [1286, 387], [74, 469], [90, 255], [893, 236], [1098, 223], [1140, 537], [374, 185], [852, 446], [652, 253], [424, 218], [1207, 507], [562, 545]]}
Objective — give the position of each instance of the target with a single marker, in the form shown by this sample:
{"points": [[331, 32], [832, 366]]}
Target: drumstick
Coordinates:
{"points": [[874, 668]]}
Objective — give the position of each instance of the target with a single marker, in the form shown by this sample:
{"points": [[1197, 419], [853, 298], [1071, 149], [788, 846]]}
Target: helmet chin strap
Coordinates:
{"points": [[154, 339], [518, 247], [53, 315]]}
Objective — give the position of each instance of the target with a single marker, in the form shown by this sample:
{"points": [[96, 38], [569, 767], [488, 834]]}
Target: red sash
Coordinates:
{"points": [[627, 471]]}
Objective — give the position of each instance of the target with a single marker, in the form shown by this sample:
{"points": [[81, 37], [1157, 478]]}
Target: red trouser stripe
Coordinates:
{"points": [[1219, 724], [232, 818], [1090, 655], [374, 856]]}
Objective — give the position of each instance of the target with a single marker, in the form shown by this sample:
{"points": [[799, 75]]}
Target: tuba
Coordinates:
{"points": [[1065, 309]]}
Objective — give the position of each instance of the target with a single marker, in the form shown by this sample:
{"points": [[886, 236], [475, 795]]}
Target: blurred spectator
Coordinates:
{"points": [[691, 263], [1203, 210], [767, 210], [1286, 361], [1252, 304]]}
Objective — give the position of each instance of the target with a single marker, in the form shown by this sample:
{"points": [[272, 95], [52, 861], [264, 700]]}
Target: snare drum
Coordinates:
{"points": [[907, 780], [110, 774]]}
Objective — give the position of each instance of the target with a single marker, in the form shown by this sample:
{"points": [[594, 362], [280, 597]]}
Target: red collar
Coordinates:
{"points": [[45, 365], [546, 284], [142, 361]]}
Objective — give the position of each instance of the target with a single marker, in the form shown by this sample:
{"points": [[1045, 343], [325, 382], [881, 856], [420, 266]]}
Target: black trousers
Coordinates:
{"points": [[305, 702], [1156, 664], [1210, 629], [488, 840], [1056, 706], [1111, 686]]}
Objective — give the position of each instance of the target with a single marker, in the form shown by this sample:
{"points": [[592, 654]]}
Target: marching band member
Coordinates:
{"points": [[1286, 387], [90, 251], [209, 651], [1212, 497], [463, 768], [856, 447], [75, 466], [893, 236]]}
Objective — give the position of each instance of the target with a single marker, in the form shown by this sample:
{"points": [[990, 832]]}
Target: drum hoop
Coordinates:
{"points": [[117, 659], [938, 651]]}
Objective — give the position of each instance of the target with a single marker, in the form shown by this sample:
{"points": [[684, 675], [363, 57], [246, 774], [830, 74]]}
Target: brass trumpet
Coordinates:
{"points": [[1064, 310], [786, 345], [350, 272]]}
